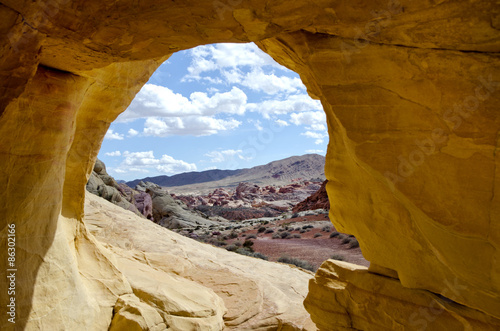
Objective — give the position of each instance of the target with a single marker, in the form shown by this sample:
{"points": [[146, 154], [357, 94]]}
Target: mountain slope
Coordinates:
{"points": [[281, 172], [187, 178]]}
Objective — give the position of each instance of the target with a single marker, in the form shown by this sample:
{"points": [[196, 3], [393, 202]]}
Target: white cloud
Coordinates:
{"points": [[315, 151], [281, 123], [146, 161], [316, 127], [225, 155], [315, 135], [293, 103], [216, 57], [154, 100], [115, 153], [192, 125], [113, 135], [132, 133], [311, 118], [257, 124]]}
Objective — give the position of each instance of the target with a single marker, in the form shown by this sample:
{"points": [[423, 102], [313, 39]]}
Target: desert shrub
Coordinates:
{"points": [[285, 235], [246, 252], [295, 215], [341, 236], [243, 235], [308, 227], [281, 230], [269, 231], [215, 233], [259, 256], [338, 257], [261, 229], [326, 228], [296, 235], [334, 234], [346, 240], [227, 228], [351, 236], [316, 235], [302, 231], [354, 243], [237, 243], [232, 248], [248, 243], [233, 235], [252, 236], [276, 236], [266, 222], [297, 262], [297, 229]]}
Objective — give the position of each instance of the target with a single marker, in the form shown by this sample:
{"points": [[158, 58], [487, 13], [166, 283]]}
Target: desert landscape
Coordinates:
{"points": [[287, 222]]}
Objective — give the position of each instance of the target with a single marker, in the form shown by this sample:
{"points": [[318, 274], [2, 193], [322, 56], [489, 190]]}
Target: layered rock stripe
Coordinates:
{"points": [[411, 94]]}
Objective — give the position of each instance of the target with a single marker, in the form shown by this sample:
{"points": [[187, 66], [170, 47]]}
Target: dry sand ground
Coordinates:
{"points": [[308, 248]]}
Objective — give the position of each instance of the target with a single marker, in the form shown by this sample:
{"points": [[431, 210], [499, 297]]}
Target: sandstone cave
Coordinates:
{"points": [[410, 90]]}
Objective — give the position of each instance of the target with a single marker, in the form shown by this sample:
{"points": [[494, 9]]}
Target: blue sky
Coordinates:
{"points": [[224, 106]]}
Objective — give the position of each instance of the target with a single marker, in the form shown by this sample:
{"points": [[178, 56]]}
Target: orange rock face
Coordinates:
{"points": [[411, 95]]}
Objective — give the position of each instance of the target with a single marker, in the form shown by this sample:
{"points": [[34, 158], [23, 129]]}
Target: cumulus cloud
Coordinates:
{"points": [[113, 135], [225, 155], [160, 101], [132, 133], [319, 136], [293, 103], [146, 162], [257, 124], [281, 123], [196, 126], [217, 57], [316, 119], [115, 153], [259, 81], [241, 64]]}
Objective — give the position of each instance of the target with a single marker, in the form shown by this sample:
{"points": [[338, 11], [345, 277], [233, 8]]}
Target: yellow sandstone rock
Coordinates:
{"points": [[411, 93]]}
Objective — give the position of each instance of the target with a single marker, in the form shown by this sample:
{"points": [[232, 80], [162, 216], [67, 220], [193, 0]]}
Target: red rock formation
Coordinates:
{"points": [[318, 200]]}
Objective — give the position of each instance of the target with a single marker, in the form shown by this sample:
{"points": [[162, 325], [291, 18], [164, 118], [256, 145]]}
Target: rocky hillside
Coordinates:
{"points": [[318, 200], [281, 172], [146, 199]]}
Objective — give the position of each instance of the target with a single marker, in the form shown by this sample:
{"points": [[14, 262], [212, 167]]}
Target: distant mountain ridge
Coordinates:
{"points": [[281, 172], [186, 178]]}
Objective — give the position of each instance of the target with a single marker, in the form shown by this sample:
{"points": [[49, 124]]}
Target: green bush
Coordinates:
{"points": [[248, 243], [334, 234], [316, 235], [297, 262], [276, 236], [354, 243], [252, 236], [246, 252], [338, 257], [262, 229], [346, 240], [285, 235], [269, 231]]}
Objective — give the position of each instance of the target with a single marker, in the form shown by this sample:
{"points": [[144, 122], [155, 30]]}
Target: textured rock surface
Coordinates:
{"points": [[186, 284], [344, 296], [317, 200], [411, 96]]}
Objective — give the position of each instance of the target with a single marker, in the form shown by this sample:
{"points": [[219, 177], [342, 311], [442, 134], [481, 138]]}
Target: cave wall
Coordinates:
{"points": [[410, 90]]}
